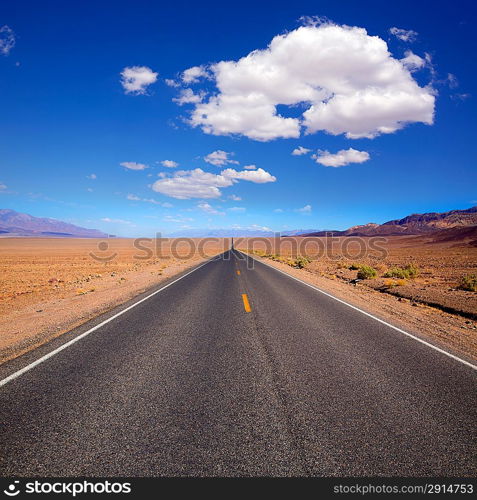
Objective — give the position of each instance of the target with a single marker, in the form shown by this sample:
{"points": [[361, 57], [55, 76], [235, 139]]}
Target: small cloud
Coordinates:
{"points": [[237, 209], [219, 158], [304, 210], [178, 219], [258, 176], [412, 61], [91, 176], [169, 163], [278, 210], [3, 186], [341, 158], [250, 167], [300, 150], [234, 197], [132, 165], [7, 40], [452, 81], [171, 83], [90, 190], [192, 75], [136, 79], [187, 96], [133, 197], [403, 35], [259, 228], [460, 97], [209, 209], [116, 221]]}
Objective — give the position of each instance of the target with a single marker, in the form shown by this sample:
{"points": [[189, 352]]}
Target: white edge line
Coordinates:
{"points": [[27, 368], [428, 344]]}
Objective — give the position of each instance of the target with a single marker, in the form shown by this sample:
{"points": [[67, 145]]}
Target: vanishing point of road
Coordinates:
{"points": [[234, 371]]}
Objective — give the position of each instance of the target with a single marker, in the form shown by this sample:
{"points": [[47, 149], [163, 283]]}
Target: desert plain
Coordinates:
{"points": [[50, 285]]}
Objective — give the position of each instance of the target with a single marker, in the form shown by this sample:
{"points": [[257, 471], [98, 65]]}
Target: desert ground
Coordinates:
{"points": [[419, 283], [49, 286]]}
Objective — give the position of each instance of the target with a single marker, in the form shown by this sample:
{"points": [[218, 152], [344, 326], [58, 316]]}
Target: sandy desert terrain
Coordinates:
{"points": [[430, 301], [49, 286]]}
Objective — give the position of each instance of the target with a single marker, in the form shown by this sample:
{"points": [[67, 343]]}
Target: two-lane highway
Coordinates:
{"points": [[233, 371]]}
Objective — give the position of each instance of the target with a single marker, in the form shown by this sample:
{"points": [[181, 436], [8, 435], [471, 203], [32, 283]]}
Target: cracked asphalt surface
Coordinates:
{"points": [[188, 383]]}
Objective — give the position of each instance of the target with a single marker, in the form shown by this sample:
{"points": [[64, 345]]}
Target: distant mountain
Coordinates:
{"points": [[411, 225], [233, 233], [219, 233], [299, 232], [17, 224]]}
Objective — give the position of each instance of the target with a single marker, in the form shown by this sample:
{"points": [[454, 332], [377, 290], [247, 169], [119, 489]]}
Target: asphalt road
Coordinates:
{"points": [[190, 383]]}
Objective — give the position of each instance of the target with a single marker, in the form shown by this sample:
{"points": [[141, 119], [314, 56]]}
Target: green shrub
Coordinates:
{"points": [[367, 272], [469, 283], [301, 262], [410, 271]]}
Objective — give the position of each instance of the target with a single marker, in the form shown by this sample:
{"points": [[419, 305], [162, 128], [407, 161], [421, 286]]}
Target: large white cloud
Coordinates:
{"points": [[341, 158], [136, 79], [197, 183], [346, 80]]}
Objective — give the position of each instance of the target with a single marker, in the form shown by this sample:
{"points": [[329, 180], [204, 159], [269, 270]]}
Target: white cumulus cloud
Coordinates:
{"points": [[346, 80], [169, 163], [234, 197], [304, 210], [258, 176], [197, 183], [219, 158], [132, 165], [7, 40], [403, 35], [250, 167], [300, 150], [91, 176], [187, 96], [136, 79], [192, 75], [341, 158]]}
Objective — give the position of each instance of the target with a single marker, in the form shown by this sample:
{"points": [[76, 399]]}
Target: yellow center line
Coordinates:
{"points": [[246, 304]]}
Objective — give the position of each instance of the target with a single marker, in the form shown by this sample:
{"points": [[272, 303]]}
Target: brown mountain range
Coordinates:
{"points": [[17, 224], [416, 224]]}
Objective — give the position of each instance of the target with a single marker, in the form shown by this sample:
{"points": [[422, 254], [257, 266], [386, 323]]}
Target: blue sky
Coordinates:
{"points": [[387, 134]]}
